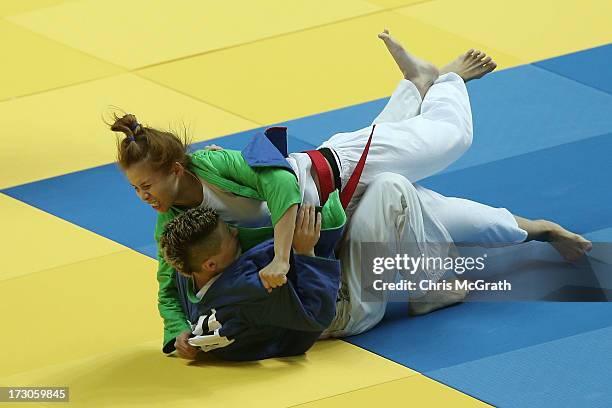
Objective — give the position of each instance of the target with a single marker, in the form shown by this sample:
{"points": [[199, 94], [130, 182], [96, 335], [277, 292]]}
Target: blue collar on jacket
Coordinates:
{"points": [[268, 149]]}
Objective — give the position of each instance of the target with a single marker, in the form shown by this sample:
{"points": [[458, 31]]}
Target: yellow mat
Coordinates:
{"points": [[415, 391], [63, 131], [531, 30], [140, 375], [146, 32], [312, 71], [387, 4], [77, 310], [34, 240], [9, 7], [33, 63]]}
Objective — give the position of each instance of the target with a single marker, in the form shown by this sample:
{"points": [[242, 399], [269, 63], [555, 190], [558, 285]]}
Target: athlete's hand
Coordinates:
{"points": [[307, 230], [183, 348], [213, 147], [274, 275]]}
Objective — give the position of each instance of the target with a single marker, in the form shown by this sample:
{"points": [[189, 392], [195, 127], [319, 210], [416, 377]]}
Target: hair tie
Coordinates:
{"points": [[130, 139], [134, 126]]}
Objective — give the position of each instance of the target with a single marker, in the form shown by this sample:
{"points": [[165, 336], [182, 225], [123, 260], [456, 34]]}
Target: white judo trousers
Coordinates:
{"points": [[414, 141], [391, 215], [418, 138]]}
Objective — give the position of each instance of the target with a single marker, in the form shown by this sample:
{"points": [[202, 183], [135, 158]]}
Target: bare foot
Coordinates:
{"points": [[571, 246], [473, 64], [436, 299], [418, 71]]}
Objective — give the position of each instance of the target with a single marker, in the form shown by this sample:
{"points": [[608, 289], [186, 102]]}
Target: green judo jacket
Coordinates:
{"points": [[228, 170]]}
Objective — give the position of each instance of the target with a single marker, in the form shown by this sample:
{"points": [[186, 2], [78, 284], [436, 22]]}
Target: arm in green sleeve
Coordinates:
{"points": [[229, 170], [168, 302], [277, 186], [280, 189], [283, 195]]}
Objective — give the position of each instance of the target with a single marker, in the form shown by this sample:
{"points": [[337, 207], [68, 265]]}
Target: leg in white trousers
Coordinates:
{"points": [[391, 214], [399, 214], [417, 140], [414, 141], [472, 223], [411, 138]]}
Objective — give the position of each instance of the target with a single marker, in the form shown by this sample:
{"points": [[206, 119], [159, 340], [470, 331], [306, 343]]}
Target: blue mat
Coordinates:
{"points": [[558, 192], [318, 128], [103, 189], [473, 331], [569, 372], [85, 196], [525, 109], [562, 183], [237, 141], [515, 111], [602, 235], [590, 67]]}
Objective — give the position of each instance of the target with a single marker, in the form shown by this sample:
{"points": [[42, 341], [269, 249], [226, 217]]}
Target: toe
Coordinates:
{"points": [[585, 244], [486, 60], [476, 55], [470, 51]]}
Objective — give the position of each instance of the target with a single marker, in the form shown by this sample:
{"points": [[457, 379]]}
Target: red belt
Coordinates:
{"points": [[326, 183]]}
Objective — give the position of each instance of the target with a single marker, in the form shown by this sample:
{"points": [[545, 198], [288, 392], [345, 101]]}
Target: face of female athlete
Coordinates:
{"points": [[156, 188]]}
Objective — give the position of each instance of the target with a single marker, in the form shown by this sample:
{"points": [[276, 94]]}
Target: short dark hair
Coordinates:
{"points": [[190, 238]]}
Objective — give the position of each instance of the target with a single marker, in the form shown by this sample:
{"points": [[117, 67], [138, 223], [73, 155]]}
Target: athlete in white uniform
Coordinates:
{"points": [[420, 131], [425, 126]]}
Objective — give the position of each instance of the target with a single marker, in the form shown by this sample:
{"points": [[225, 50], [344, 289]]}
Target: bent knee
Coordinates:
{"points": [[464, 138], [385, 181], [458, 137], [456, 120], [393, 192]]}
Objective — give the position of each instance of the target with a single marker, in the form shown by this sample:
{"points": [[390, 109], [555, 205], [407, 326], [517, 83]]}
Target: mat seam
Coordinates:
{"points": [[68, 47], [197, 99], [128, 250], [518, 155], [274, 36], [535, 64], [428, 373], [350, 391]]}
